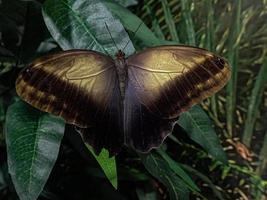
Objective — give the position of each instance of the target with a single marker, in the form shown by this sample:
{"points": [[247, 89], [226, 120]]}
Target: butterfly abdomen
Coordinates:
{"points": [[121, 70]]}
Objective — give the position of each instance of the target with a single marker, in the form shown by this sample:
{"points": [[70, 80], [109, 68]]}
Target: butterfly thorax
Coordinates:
{"points": [[121, 70]]}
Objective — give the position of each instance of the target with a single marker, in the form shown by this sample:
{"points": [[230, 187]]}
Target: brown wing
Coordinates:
{"points": [[163, 82], [81, 87], [170, 79]]}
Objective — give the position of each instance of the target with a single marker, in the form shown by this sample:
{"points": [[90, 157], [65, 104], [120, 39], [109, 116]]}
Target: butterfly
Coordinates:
{"points": [[133, 101]]}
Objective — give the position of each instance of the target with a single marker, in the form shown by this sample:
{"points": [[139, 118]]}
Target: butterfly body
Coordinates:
{"points": [[121, 70], [133, 101]]}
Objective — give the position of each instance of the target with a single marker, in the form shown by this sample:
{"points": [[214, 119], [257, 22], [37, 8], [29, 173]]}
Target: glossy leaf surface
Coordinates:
{"points": [[33, 139], [199, 128]]}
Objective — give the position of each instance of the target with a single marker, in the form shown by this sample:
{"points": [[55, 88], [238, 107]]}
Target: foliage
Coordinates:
{"points": [[192, 159], [200, 130], [107, 164], [236, 30], [32, 146]]}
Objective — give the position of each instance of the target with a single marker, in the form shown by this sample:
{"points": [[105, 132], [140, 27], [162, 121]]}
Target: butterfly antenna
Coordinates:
{"points": [[111, 36], [134, 35]]}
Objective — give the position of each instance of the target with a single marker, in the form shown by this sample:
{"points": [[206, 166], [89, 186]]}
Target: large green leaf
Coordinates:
{"points": [[108, 165], [199, 128], [85, 24], [162, 171], [33, 141]]}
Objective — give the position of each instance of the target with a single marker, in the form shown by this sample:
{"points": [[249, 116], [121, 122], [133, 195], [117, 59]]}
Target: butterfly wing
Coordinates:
{"points": [[163, 82], [81, 87]]}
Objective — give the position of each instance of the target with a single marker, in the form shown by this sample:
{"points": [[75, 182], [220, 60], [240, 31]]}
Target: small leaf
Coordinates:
{"points": [[161, 170], [33, 141], [107, 164], [199, 128]]}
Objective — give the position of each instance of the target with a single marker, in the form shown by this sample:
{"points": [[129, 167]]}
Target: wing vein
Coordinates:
{"points": [[153, 70], [89, 75]]}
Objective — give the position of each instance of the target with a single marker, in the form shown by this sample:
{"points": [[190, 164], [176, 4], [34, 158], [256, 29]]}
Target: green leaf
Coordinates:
{"points": [[254, 103], [199, 128], [170, 22], [85, 24], [133, 23], [204, 178], [33, 141], [162, 171], [107, 164], [155, 22], [187, 18], [233, 54], [179, 171]]}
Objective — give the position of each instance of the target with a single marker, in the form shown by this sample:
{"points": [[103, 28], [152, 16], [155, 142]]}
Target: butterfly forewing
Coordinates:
{"points": [[170, 79], [79, 86], [163, 82]]}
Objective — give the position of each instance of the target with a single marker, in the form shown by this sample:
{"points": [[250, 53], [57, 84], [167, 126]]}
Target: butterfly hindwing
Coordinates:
{"points": [[143, 129], [165, 81], [79, 86]]}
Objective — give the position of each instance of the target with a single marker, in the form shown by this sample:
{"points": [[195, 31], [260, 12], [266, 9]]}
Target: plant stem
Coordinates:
{"points": [[254, 103], [233, 50]]}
